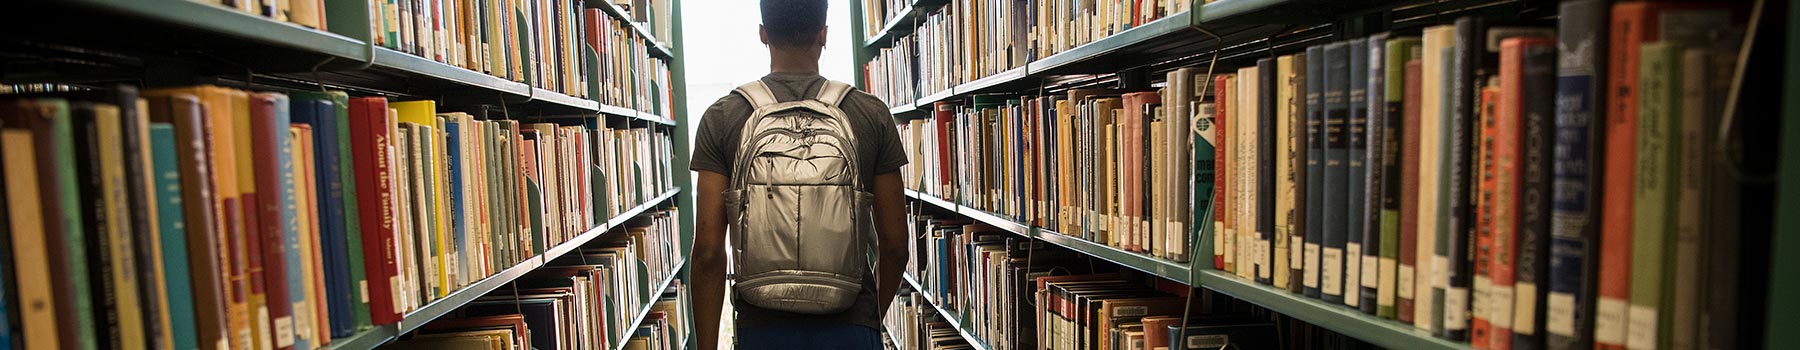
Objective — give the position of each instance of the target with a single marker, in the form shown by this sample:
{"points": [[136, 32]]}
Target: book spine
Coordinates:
{"points": [[1685, 313], [1387, 138], [1488, 195], [1434, 125], [1467, 58], [141, 196], [371, 145], [172, 235], [279, 241], [350, 210], [1574, 230], [1286, 167], [1630, 23], [1356, 163], [96, 135], [1336, 180], [1297, 117], [1374, 180], [1265, 170], [1407, 288], [1536, 94], [1315, 169], [1223, 188], [1652, 203]]}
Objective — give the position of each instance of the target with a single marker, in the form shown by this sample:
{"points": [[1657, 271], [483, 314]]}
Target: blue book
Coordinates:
{"points": [[1315, 169], [1356, 146], [459, 232], [172, 235], [1575, 175], [1368, 143], [1337, 110], [319, 111]]}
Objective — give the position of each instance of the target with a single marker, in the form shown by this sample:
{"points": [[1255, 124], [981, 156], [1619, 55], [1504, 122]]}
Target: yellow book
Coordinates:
{"points": [[424, 113], [258, 321], [37, 313], [112, 172]]}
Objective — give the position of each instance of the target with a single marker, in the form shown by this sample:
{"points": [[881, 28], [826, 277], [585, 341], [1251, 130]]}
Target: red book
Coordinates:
{"points": [[945, 114], [1221, 178], [1487, 191], [267, 268], [370, 149], [1409, 183], [1509, 203]]}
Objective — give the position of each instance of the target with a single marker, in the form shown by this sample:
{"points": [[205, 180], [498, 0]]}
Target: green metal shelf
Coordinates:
{"points": [[415, 65], [924, 101], [956, 321], [1004, 77], [618, 111], [218, 19], [1338, 318], [902, 109], [369, 339], [560, 99], [1155, 29]]}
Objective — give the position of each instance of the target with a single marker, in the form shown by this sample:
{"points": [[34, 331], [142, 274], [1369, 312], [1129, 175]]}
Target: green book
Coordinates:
{"points": [[172, 235], [67, 211], [1399, 51], [359, 305], [1653, 204], [428, 233]]}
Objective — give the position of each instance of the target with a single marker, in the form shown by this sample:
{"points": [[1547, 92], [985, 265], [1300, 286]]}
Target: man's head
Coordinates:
{"points": [[793, 24]]}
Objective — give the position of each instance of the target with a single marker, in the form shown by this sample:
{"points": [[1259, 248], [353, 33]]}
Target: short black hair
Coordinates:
{"points": [[793, 23]]}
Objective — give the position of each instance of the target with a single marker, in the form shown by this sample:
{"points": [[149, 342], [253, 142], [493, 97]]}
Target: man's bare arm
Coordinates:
{"points": [[708, 275], [890, 218]]}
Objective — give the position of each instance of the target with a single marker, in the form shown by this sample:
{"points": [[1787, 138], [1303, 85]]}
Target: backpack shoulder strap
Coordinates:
{"points": [[758, 94], [833, 93]]}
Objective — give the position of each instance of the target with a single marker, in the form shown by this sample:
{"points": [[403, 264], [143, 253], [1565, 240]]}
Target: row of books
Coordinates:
{"points": [[558, 45], [964, 41], [308, 13], [1011, 292], [207, 215], [1451, 178], [913, 324], [658, 16], [889, 74], [1105, 165], [584, 300]]}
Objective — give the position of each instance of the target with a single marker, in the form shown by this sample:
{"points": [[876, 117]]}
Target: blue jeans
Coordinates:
{"points": [[809, 337]]}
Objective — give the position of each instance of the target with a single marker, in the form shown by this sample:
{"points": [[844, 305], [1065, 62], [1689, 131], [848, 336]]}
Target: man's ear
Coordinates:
{"points": [[824, 35], [763, 32]]}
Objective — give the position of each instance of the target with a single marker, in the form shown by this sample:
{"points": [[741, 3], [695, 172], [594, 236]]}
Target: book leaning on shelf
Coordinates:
{"points": [[587, 299], [259, 219]]}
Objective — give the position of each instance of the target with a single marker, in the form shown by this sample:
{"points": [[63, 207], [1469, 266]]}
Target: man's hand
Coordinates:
{"points": [[708, 275]]}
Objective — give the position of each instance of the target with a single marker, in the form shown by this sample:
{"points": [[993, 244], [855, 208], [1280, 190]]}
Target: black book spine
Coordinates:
{"points": [[1336, 194], [1466, 60], [1315, 168], [1534, 206], [1576, 172], [1265, 168], [1365, 188], [1297, 234]]}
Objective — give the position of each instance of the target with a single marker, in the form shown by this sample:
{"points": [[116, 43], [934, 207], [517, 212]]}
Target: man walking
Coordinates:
{"points": [[804, 173]]}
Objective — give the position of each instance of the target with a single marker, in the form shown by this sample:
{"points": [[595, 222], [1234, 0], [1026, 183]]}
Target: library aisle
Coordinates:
{"points": [[1291, 174], [344, 174]]}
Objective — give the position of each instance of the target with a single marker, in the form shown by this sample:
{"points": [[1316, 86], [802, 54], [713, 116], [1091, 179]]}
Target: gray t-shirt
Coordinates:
{"points": [[880, 152]]}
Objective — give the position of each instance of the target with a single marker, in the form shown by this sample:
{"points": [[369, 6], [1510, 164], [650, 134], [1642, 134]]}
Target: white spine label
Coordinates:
{"points": [[1524, 308], [1500, 306], [1311, 279], [1456, 309], [1384, 297], [1641, 332], [1609, 321], [1404, 288], [1333, 266], [1559, 314]]}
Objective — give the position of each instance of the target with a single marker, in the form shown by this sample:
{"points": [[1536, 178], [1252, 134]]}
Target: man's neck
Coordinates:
{"points": [[789, 61]]}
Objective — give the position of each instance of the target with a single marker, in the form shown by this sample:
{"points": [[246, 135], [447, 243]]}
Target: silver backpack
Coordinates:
{"points": [[798, 210]]}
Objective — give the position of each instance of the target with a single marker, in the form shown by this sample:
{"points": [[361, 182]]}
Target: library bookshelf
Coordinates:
{"points": [[165, 43], [1229, 34]]}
